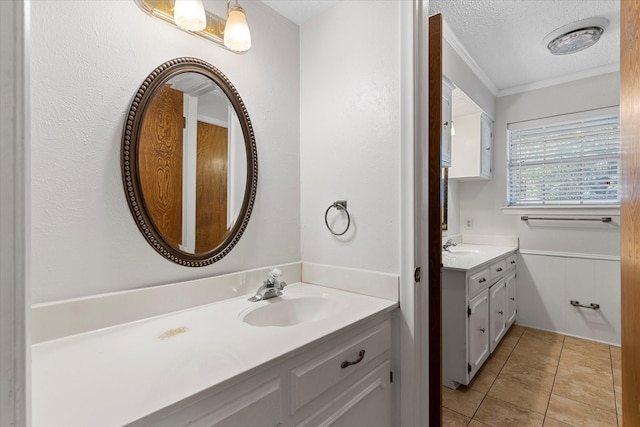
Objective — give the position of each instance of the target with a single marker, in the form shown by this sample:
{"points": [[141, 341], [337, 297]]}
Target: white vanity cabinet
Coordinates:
{"points": [[445, 146], [471, 147], [343, 380], [477, 312]]}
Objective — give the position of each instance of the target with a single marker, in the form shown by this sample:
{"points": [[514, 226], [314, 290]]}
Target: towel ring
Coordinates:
{"points": [[340, 205]]}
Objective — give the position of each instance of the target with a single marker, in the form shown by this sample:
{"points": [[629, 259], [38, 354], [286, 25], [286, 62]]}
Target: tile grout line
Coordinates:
{"points": [[497, 375], [613, 377], [555, 376]]}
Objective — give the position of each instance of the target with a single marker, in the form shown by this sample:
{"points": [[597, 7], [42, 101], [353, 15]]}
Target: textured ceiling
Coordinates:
{"points": [[504, 37]]}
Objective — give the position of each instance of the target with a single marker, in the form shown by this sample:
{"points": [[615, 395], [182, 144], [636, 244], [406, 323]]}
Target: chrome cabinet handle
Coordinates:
{"points": [[347, 363], [499, 269], [482, 280]]}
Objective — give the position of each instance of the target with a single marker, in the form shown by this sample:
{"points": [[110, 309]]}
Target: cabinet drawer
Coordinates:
{"points": [[318, 375], [498, 269], [479, 281], [511, 262], [366, 403]]}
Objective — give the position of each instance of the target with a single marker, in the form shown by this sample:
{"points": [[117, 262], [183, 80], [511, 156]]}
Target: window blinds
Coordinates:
{"points": [[565, 160]]}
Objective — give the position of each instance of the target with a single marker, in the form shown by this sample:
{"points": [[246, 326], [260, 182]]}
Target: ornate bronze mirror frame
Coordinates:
{"points": [[147, 177]]}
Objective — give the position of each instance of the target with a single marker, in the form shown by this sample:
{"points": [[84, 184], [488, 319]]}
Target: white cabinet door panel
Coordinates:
{"points": [[511, 299], [478, 332], [498, 299]]}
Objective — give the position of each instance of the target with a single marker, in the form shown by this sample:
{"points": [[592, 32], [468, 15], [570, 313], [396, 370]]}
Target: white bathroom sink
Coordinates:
{"points": [[290, 311]]}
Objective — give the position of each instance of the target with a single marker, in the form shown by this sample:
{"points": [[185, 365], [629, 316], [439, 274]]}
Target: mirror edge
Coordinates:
{"points": [[129, 167]]}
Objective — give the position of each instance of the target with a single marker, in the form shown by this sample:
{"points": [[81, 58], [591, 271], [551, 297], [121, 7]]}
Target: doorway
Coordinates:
{"points": [[630, 215]]}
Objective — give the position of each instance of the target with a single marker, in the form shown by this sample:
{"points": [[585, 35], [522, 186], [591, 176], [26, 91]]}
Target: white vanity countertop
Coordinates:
{"points": [[468, 256], [119, 374]]}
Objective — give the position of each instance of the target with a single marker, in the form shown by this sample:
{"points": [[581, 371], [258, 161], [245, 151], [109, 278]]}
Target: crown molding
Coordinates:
{"points": [[605, 69], [451, 38]]}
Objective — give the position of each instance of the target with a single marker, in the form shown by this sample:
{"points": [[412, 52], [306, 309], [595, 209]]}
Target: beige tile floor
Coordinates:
{"points": [[538, 378]]}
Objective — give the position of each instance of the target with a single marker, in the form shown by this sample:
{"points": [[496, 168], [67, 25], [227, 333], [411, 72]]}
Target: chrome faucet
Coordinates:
{"points": [[448, 244], [271, 287]]}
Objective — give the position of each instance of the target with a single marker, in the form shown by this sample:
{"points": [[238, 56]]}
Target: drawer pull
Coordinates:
{"points": [[482, 330], [500, 313], [512, 299], [347, 363], [499, 269], [482, 280], [513, 262]]}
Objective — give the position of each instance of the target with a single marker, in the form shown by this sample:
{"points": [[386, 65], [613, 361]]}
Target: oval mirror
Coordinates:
{"points": [[189, 162]]}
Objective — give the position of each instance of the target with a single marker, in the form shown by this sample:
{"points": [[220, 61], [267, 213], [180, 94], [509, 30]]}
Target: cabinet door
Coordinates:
{"points": [[486, 142], [497, 305], [445, 153], [478, 328], [511, 299]]}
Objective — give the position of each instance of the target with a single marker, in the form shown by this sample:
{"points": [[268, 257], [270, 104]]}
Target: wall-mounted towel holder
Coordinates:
{"points": [[592, 306], [602, 219], [340, 205]]}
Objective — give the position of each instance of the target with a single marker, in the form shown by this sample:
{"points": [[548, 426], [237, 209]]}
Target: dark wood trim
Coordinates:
{"points": [[630, 207], [434, 220]]}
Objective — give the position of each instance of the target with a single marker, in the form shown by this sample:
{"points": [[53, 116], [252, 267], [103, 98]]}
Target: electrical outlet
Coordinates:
{"points": [[468, 223]]}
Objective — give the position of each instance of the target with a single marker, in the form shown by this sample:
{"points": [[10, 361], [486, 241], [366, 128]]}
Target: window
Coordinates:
{"points": [[572, 159]]}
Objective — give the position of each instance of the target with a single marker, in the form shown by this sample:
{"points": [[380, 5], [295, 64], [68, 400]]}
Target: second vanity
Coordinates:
{"points": [[314, 355], [478, 304]]}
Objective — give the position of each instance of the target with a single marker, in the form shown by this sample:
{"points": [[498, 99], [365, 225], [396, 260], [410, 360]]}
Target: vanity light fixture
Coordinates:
{"points": [[576, 36], [237, 36], [215, 29], [190, 15]]}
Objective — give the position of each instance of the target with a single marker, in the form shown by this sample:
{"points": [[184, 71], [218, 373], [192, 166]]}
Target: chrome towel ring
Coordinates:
{"points": [[340, 205]]}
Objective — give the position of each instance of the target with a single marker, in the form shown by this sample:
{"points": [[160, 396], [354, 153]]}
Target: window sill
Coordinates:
{"points": [[611, 210]]}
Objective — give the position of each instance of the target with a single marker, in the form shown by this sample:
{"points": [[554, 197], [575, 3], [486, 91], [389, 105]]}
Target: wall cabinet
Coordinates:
{"points": [[341, 381], [471, 147], [445, 145], [477, 312]]}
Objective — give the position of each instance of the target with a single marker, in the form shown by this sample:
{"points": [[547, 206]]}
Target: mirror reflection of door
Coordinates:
{"points": [[193, 163], [211, 186], [161, 162]]}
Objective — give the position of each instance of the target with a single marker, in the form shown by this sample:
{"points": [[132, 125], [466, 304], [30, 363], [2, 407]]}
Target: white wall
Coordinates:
{"points": [[88, 58], [558, 259], [350, 134]]}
